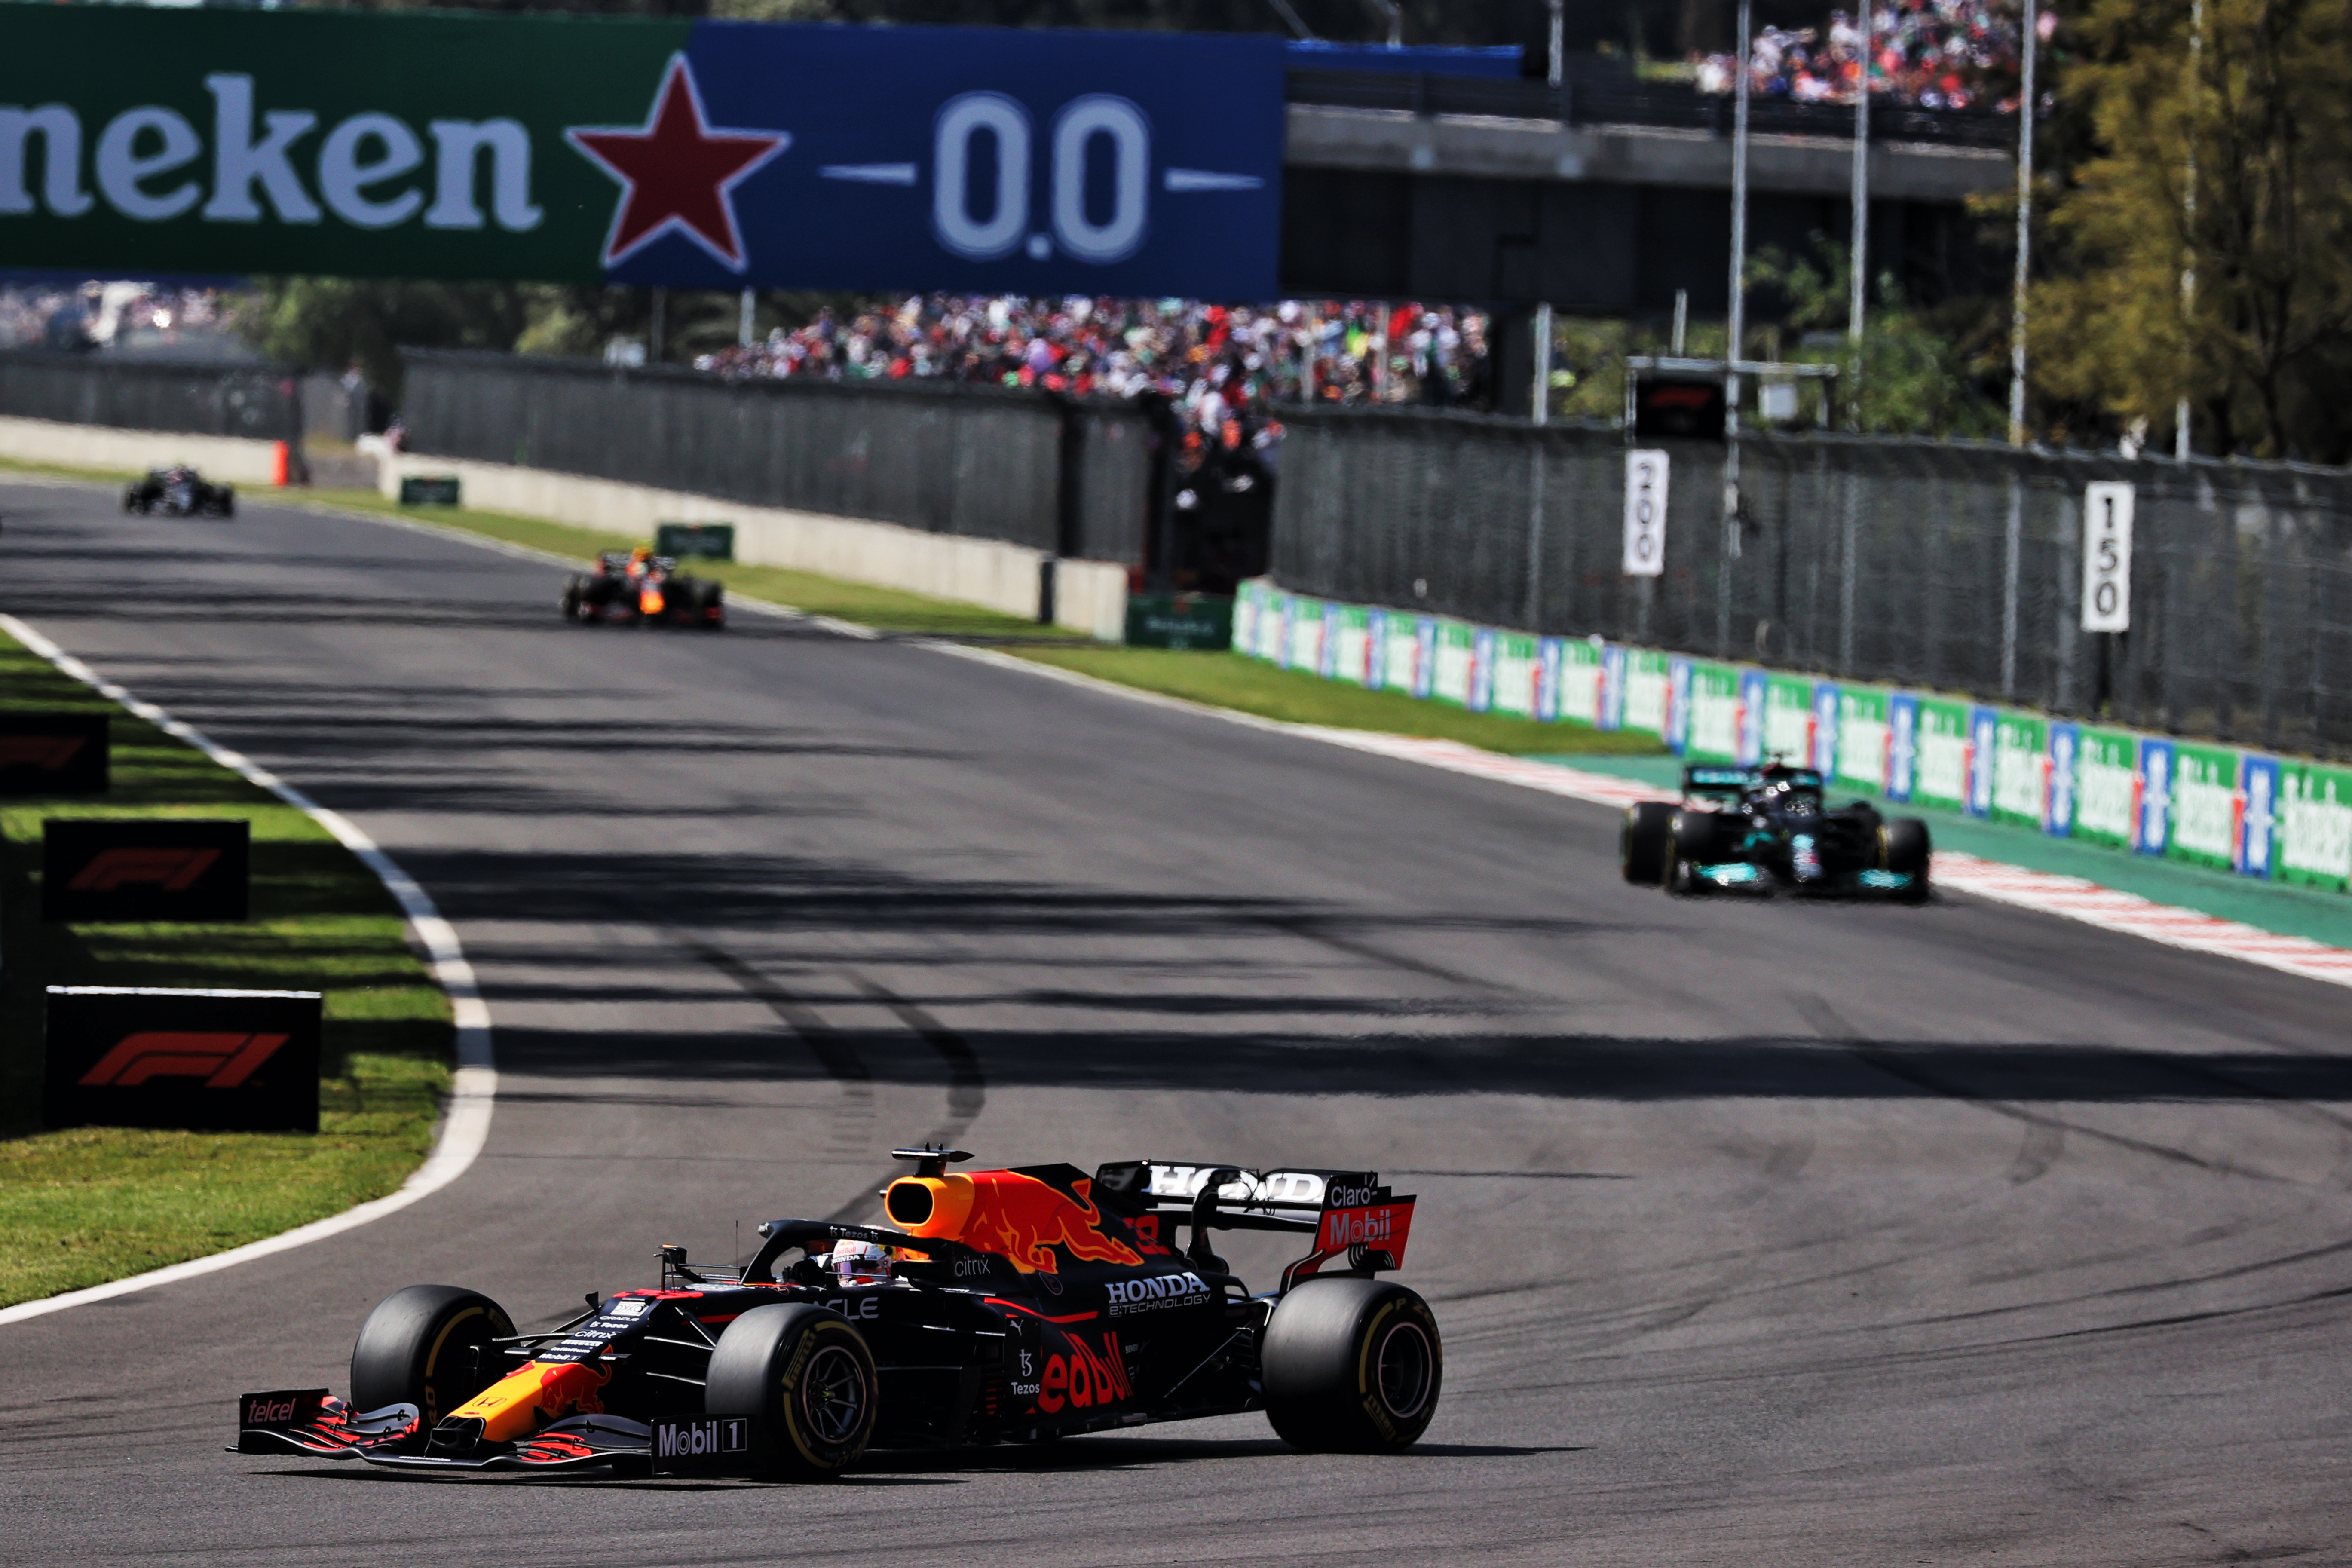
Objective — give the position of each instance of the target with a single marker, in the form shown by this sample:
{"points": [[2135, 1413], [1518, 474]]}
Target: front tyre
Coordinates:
{"points": [[430, 1346], [1351, 1366], [1644, 844], [806, 1377]]}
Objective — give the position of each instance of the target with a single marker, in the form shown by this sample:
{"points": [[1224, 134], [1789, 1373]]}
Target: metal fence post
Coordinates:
{"points": [[2013, 543]]}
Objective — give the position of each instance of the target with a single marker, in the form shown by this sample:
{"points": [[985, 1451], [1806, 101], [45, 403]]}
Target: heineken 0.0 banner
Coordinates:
{"points": [[697, 154]]}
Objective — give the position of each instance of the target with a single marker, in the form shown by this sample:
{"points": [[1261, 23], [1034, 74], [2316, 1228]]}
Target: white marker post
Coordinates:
{"points": [[2107, 556], [1646, 513]]}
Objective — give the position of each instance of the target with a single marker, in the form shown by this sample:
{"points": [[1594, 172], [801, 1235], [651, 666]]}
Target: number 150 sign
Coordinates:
{"points": [[2107, 556]]}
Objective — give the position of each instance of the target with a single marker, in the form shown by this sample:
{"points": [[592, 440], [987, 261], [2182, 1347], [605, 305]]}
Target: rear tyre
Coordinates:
{"points": [[570, 603], [1904, 845], [430, 1346], [1643, 846], [805, 1376], [1351, 1366]]}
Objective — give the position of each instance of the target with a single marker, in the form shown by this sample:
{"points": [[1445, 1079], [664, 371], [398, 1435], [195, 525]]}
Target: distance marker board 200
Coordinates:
{"points": [[698, 154]]}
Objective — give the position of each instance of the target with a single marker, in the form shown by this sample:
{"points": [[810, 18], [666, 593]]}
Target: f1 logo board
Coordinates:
{"points": [[154, 868], [53, 754], [245, 1061]]}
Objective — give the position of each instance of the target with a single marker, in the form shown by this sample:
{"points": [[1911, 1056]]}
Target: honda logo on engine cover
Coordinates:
{"points": [[145, 870]]}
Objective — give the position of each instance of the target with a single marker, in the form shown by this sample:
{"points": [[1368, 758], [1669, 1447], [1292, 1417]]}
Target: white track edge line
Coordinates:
{"points": [[465, 1123]]}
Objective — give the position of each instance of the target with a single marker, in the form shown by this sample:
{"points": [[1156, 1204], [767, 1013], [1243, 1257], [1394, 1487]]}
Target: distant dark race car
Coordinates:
{"points": [[1006, 1306], [179, 492], [636, 585], [1768, 829]]}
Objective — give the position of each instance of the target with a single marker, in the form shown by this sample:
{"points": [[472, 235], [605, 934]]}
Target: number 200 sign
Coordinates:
{"points": [[1646, 513], [2107, 556]]}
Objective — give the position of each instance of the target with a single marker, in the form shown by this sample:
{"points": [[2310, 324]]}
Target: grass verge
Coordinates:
{"points": [[82, 1206]]}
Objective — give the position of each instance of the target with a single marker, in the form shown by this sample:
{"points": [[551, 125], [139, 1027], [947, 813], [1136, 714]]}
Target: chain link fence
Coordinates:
{"points": [[977, 461], [1944, 565], [256, 402]]}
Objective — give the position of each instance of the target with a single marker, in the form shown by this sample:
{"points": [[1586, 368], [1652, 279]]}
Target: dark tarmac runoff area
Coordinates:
{"points": [[1758, 1233]]}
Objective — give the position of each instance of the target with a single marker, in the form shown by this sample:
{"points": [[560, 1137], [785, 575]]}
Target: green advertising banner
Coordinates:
{"points": [[1789, 719], [2314, 825], [698, 153], [1862, 739], [2106, 787], [1303, 637], [1457, 645], [2204, 805], [1941, 774], [1517, 667], [1347, 629], [2021, 779], [1713, 732], [1649, 687], [1578, 701]]}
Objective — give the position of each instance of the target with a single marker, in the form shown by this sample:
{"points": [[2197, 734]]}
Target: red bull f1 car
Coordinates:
{"points": [[999, 1306], [1768, 829], [639, 587]]}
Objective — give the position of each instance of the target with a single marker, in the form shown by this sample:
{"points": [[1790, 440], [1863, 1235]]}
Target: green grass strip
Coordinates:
{"points": [[82, 1206], [1253, 685]]}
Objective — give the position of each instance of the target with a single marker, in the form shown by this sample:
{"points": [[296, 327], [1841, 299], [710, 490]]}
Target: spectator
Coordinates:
{"points": [[1215, 361], [1934, 54]]}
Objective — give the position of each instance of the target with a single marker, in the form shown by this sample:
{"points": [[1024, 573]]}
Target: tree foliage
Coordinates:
{"points": [[2221, 136]]}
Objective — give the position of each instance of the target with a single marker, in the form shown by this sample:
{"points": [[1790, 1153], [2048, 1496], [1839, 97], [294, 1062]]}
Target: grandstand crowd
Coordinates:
{"points": [[1934, 54], [1292, 353]]}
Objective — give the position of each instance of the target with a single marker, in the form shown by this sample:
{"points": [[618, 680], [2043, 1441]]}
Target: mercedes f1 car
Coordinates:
{"points": [[179, 492], [639, 587], [1767, 828], [1005, 1305]]}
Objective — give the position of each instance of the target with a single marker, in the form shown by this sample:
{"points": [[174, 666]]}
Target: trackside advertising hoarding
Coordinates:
{"points": [[695, 153], [2213, 805]]}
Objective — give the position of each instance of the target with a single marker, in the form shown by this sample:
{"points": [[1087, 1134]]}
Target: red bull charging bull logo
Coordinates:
{"points": [[1016, 1217]]}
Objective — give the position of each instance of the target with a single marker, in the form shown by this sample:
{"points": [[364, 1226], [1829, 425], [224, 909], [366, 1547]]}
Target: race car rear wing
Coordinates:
{"points": [[1349, 1213], [1713, 783]]}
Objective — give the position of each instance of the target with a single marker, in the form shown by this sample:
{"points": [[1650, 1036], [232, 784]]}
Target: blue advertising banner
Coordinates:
{"points": [[1424, 661], [1375, 639], [1984, 735], [2058, 813], [1753, 684], [996, 161], [1902, 745], [1825, 729], [1613, 686], [1482, 670], [2258, 794], [2152, 829], [1678, 702]]}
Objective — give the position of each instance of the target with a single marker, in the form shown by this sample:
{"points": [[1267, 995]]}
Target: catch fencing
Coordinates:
{"points": [[260, 402], [976, 461], [1949, 566]]}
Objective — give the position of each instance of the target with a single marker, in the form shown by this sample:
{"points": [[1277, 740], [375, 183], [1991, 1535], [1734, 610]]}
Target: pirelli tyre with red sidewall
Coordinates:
{"points": [[1351, 1365], [433, 1346], [806, 1378]]}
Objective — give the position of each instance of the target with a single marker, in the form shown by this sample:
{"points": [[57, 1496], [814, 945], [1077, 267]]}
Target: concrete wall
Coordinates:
{"points": [[1089, 596], [224, 457]]}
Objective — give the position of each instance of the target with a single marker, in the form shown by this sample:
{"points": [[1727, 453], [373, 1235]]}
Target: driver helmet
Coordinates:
{"points": [[860, 1262], [639, 558]]}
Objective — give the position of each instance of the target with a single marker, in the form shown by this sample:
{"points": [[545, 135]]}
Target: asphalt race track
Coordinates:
{"points": [[1799, 1235]]}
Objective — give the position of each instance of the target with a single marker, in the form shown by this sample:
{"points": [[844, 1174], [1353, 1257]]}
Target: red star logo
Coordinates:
{"points": [[677, 173]]}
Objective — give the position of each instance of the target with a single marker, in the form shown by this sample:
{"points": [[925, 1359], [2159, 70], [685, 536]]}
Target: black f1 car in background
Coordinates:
{"points": [[1768, 828], [639, 585], [179, 492], [1009, 1306]]}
